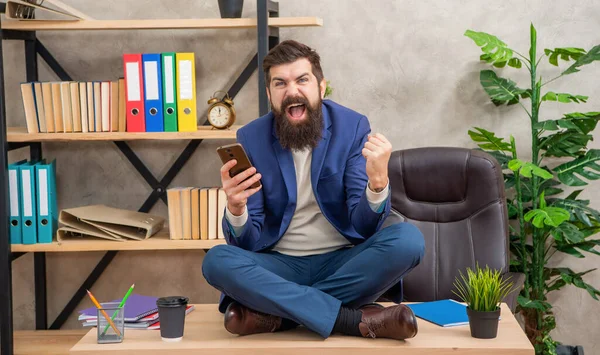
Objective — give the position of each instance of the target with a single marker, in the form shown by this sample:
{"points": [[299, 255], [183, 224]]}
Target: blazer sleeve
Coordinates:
{"points": [[364, 220], [251, 231]]}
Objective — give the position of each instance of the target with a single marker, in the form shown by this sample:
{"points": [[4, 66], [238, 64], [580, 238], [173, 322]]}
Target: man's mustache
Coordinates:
{"points": [[292, 100]]}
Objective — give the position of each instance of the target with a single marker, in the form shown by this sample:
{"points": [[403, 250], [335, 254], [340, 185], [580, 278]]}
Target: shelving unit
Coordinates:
{"points": [[20, 135], [266, 23], [160, 241], [158, 24]]}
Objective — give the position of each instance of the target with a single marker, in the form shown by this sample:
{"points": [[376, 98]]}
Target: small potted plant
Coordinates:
{"points": [[482, 290]]}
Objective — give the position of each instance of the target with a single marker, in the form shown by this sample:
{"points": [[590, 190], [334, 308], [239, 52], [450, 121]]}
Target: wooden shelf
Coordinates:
{"points": [[150, 24], [19, 134], [160, 241]]}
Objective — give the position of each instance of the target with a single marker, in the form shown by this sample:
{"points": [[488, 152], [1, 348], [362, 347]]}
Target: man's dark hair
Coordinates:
{"points": [[289, 51]]}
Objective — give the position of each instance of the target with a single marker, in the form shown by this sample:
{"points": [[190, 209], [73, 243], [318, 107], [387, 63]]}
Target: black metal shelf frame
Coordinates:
{"points": [[267, 38]]}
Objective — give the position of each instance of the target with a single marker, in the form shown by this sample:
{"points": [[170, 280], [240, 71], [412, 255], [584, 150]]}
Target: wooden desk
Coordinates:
{"points": [[47, 342], [205, 334]]}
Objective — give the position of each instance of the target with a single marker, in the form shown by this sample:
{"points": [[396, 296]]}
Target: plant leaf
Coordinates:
{"points": [[589, 57], [491, 142], [567, 171], [565, 144], [562, 97], [548, 187], [550, 216], [567, 232], [527, 169], [515, 164], [579, 208], [527, 303], [564, 54], [515, 63], [501, 91], [495, 51], [550, 125], [570, 277]]}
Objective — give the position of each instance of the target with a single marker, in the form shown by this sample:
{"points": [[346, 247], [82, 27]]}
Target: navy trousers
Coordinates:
{"points": [[310, 290]]}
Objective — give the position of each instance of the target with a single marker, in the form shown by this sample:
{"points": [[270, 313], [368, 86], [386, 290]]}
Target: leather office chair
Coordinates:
{"points": [[455, 196]]}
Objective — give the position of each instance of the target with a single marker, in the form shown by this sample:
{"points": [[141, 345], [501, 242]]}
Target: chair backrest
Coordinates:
{"points": [[455, 196]]}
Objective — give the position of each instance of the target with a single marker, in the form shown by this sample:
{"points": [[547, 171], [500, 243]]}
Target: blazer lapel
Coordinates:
{"points": [[286, 164], [319, 153]]}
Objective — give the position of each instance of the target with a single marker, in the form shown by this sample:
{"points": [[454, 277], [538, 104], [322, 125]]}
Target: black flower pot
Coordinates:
{"points": [[231, 8], [484, 325]]}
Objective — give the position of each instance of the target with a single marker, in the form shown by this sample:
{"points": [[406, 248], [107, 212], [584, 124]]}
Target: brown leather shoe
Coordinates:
{"points": [[242, 320], [395, 322], [370, 308]]}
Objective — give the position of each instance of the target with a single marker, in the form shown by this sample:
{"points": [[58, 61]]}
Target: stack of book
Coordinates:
{"points": [[157, 93], [196, 212], [141, 312]]}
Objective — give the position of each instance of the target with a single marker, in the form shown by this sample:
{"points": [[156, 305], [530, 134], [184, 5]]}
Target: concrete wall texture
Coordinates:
{"points": [[405, 64]]}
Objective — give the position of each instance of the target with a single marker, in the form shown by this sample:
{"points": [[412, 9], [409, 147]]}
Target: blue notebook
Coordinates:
{"points": [[445, 313]]}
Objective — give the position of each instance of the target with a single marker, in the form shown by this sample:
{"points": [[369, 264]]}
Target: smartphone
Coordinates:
{"points": [[237, 152]]}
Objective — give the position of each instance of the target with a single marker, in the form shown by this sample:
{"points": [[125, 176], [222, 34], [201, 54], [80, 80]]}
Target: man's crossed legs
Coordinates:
{"points": [[323, 292]]}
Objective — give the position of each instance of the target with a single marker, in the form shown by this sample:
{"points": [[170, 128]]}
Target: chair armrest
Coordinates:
{"points": [[518, 280]]}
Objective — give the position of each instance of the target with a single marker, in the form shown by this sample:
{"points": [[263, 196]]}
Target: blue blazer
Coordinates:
{"points": [[338, 175]]}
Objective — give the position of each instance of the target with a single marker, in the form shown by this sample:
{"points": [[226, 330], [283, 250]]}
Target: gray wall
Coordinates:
{"points": [[405, 64]]}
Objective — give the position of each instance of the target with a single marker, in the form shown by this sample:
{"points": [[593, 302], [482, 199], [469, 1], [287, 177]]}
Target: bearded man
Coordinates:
{"points": [[307, 247]]}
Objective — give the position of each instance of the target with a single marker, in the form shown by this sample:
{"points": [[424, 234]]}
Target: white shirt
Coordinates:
{"points": [[309, 232]]}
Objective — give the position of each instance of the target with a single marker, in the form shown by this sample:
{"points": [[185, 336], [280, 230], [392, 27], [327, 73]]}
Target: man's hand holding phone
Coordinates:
{"points": [[237, 188]]}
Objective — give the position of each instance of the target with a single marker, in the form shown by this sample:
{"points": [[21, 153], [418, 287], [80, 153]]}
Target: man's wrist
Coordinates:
{"points": [[377, 185], [236, 211]]}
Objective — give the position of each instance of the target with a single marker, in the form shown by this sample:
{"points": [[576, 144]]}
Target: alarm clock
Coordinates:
{"points": [[221, 113]]}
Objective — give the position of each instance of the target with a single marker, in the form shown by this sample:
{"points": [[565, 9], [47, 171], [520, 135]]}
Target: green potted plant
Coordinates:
{"points": [[482, 290], [543, 220]]}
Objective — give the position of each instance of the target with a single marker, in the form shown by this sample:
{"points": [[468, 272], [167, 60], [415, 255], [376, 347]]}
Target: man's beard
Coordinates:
{"points": [[299, 135]]}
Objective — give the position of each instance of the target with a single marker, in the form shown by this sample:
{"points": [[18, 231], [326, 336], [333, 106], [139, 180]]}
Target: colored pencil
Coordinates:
{"points": [[103, 313]]}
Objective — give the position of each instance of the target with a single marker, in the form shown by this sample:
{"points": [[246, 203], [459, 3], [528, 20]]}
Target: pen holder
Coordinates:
{"points": [[116, 314]]}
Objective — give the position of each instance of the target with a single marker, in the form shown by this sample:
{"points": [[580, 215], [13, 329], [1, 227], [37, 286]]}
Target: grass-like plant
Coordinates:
{"points": [[482, 289]]}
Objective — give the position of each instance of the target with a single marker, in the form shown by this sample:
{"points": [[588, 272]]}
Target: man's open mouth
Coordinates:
{"points": [[296, 111]]}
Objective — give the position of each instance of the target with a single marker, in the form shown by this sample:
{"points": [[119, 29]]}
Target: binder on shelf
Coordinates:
{"points": [[213, 214], [186, 92], [48, 109], [76, 106], [169, 92], [59, 126], [221, 204], [175, 215], [204, 213], [134, 93], [195, 209], [39, 107], [67, 116], [30, 108], [28, 205], [186, 213], [47, 208], [97, 106], [122, 109], [105, 103], [114, 106], [24, 10], [107, 222], [83, 105], [14, 196], [153, 99], [90, 106]]}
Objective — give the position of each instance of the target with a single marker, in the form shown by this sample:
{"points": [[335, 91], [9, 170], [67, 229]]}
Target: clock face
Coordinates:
{"points": [[219, 115]]}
